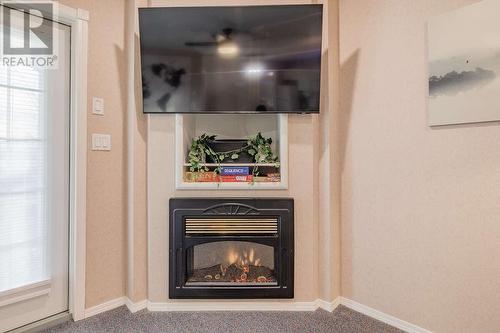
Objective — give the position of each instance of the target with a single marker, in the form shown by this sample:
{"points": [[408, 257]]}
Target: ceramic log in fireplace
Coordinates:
{"points": [[231, 248]]}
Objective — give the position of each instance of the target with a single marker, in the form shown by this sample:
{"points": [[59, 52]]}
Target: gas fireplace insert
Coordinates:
{"points": [[231, 248]]}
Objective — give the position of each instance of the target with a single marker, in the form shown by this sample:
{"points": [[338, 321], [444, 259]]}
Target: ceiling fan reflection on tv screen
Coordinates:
{"points": [[247, 59]]}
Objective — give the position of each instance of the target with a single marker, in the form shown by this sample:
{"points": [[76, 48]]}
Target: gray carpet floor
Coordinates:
{"points": [[342, 320]]}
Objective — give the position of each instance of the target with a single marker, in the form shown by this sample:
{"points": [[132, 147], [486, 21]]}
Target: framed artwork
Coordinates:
{"points": [[464, 65]]}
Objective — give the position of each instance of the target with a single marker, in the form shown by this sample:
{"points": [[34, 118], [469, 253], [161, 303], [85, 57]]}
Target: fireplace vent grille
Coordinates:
{"points": [[231, 226]]}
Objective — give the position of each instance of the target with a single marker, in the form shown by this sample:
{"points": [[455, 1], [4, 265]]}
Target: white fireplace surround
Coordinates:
{"points": [[303, 143]]}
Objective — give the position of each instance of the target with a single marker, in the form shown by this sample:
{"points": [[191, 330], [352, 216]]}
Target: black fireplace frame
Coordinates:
{"points": [[282, 242]]}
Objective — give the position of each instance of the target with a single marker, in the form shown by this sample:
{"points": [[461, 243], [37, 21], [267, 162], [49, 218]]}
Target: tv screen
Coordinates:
{"points": [[245, 59]]}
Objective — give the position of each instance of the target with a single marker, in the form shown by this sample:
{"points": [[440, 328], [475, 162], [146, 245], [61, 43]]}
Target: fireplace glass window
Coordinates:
{"points": [[226, 263]]}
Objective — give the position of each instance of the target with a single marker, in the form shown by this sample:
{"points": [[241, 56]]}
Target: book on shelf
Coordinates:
{"points": [[212, 177], [234, 170], [237, 179], [201, 177]]}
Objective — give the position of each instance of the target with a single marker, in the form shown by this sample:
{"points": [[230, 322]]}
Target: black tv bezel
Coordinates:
{"points": [[143, 9]]}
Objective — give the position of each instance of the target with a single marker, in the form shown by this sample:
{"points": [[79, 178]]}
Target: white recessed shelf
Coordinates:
{"points": [[232, 126]]}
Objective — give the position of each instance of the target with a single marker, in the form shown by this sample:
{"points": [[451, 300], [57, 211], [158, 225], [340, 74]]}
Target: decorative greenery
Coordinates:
{"points": [[260, 148], [198, 152], [257, 146]]}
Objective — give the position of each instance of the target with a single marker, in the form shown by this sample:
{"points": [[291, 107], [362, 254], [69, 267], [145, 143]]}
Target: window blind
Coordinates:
{"points": [[23, 164]]}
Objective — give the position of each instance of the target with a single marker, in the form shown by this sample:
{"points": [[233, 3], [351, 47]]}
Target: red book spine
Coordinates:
{"points": [[237, 179]]}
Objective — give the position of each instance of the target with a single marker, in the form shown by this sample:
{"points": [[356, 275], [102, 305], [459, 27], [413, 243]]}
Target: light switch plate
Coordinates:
{"points": [[101, 142], [98, 106]]}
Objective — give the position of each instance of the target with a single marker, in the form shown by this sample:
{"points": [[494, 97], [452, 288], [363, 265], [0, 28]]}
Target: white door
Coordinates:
{"points": [[34, 188]]}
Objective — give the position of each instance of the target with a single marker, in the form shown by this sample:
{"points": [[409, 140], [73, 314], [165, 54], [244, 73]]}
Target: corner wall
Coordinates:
{"points": [[420, 206], [106, 261]]}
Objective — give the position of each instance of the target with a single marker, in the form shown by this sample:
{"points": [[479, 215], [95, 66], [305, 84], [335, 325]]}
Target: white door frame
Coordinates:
{"points": [[77, 19]]}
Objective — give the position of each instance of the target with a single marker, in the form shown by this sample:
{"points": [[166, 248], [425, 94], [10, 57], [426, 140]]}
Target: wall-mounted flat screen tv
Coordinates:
{"points": [[245, 59]]}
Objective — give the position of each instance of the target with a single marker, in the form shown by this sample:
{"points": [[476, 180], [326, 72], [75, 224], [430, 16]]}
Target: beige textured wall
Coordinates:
{"points": [[141, 235], [137, 143], [420, 206], [305, 156], [329, 229], [106, 171]]}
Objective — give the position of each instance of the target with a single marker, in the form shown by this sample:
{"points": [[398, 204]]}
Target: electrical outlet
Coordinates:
{"points": [[101, 142]]}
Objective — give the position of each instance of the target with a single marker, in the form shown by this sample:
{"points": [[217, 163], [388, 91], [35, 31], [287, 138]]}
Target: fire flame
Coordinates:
{"points": [[244, 259], [232, 257]]}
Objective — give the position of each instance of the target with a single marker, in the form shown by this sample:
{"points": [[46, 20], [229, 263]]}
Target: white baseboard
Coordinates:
{"points": [[134, 307], [383, 317], [328, 306], [254, 306], [212, 306], [234, 306], [116, 303], [106, 306]]}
